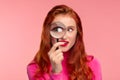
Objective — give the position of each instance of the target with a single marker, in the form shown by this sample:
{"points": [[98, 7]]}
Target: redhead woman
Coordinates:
{"points": [[63, 58]]}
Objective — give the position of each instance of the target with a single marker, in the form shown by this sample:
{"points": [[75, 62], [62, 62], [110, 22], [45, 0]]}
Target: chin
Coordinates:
{"points": [[64, 49]]}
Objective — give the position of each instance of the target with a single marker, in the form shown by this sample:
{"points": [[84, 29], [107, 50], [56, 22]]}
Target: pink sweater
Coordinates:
{"points": [[94, 65]]}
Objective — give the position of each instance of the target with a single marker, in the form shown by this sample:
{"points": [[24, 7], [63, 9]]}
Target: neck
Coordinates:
{"points": [[66, 54]]}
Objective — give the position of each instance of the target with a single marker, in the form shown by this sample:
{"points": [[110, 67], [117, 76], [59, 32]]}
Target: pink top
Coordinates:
{"points": [[94, 65]]}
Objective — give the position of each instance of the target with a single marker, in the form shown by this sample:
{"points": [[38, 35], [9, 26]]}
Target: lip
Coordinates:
{"points": [[65, 43]]}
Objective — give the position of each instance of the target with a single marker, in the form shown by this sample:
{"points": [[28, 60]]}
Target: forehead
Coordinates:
{"points": [[65, 19]]}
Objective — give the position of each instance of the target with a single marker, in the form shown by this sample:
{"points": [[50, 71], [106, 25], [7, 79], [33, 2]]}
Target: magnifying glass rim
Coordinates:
{"points": [[57, 23]]}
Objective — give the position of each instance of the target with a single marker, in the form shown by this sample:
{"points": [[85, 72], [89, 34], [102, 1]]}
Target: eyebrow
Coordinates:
{"points": [[71, 27]]}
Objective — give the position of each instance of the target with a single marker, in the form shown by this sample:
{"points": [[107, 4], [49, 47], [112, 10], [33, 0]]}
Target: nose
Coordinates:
{"points": [[65, 35]]}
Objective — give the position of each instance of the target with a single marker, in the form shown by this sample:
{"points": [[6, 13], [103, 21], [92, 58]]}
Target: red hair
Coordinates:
{"points": [[77, 62]]}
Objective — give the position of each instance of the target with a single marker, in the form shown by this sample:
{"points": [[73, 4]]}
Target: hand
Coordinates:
{"points": [[56, 57]]}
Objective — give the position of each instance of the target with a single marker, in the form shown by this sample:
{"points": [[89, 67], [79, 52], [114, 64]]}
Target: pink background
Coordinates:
{"points": [[20, 29]]}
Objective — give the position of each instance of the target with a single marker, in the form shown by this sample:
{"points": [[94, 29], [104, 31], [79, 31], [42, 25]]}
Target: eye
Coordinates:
{"points": [[57, 29], [70, 29]]}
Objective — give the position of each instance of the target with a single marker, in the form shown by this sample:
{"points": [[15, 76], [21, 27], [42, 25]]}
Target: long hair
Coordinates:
{"points": [[78, 68]]}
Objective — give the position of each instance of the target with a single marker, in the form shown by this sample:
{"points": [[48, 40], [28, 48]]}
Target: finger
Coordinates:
{"points": [[58, 51], [55, 53], [55, 46], [58, 58]]}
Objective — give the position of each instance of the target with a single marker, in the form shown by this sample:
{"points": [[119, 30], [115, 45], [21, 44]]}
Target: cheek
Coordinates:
{"points": [[73, 39], [53, 40]]}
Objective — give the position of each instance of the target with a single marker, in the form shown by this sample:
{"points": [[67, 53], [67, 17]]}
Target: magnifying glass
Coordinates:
{"points": [[57, 30]]}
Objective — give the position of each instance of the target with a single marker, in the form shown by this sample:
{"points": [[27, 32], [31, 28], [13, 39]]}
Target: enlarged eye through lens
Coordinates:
{"points": [[57, 30]]}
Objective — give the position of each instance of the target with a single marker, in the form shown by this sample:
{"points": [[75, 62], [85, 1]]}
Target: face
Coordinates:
{"points": [[71, 31]]}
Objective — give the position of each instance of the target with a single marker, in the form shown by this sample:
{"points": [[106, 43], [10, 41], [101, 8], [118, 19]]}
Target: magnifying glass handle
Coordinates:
{"points": [[56, 40], [57, 47]]}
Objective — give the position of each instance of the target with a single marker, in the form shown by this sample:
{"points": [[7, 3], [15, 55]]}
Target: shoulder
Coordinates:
{"points": [[93, 62], [95, 66], [32, 65], [31, 69]]}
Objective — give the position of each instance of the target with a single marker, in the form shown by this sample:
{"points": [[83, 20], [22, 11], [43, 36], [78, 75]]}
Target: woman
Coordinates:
{"points": [[63, 58]]}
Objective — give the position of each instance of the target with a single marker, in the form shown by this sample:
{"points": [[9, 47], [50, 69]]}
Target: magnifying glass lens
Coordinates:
{"points": [[57, 30]]}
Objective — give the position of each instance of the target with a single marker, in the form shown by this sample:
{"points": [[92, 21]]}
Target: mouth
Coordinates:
{"points": [[65, 43]]}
